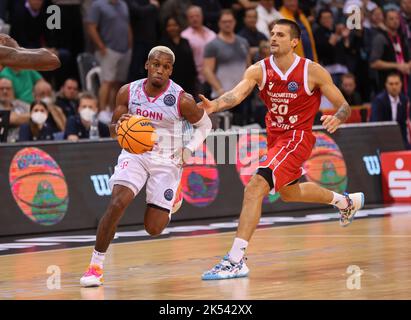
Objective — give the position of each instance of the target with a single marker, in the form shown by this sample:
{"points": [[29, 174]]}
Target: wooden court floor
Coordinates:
{"points": [[308, 261]]}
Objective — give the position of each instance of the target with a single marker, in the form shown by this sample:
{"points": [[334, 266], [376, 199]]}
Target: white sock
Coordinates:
{"points": [[237, 250], [97, 258], [339, 201]]}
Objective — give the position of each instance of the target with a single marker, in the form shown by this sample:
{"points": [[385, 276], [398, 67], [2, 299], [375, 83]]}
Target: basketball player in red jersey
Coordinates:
{"points": [[291, 88], [13, 56]]}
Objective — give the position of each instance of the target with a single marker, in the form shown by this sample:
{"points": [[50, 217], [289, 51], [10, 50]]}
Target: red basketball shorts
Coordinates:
{"points": [[286, 154]]}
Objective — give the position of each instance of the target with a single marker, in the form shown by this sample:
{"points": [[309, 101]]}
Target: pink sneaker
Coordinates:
{"points": [[93, 277]]}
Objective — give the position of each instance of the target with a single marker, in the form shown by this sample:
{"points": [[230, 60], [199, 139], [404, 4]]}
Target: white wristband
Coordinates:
{"points": [[202, 129]]}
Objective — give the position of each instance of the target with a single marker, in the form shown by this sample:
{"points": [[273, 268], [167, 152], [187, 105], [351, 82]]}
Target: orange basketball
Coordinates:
{"points": [[136, 135]]}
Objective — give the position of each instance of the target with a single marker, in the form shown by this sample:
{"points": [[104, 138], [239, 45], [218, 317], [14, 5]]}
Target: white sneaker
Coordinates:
{"points": [[226, 269], [93, 277], [355, 203]]}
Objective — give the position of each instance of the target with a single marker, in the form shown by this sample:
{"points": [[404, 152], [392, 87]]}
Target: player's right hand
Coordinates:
{"points": [[330, 123], [123, 117], [207, 105]]}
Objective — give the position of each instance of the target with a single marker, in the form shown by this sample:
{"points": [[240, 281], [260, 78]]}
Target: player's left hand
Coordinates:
{"points": [[186, 156], [330, 123]]}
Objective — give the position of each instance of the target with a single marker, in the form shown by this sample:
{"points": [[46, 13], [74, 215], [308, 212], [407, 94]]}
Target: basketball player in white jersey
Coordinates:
{"points": [[13, 56], [168, 107]]}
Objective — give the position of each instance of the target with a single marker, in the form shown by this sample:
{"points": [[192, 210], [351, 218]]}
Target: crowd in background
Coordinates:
{"points": [[214, 42]]}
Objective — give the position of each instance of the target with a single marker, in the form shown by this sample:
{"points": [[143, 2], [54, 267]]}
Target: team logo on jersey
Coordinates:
{"points": [[169, 100], [292, 86], [279, 119], [293, 119], [270, 85], [168, 194]]}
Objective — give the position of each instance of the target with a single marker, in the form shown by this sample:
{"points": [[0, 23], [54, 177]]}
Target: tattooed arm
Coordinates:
{"points": [[11, 55], [319, 77], [252, 77], [344, 112]]}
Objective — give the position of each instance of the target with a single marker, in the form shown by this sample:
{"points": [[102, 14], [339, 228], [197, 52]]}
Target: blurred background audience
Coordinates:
{"points": [[104, 44]]}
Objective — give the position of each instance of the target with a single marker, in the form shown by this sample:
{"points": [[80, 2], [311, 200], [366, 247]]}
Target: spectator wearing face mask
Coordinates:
{"points": [[37, 129], [78, 126], [44, 92]]}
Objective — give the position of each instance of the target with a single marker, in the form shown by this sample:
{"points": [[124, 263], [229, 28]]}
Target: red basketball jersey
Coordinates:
{"points": [[290, 103]]}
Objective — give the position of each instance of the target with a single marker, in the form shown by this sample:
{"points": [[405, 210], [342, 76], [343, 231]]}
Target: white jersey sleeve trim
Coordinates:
{"points": [[262, 85], [307, 89]]}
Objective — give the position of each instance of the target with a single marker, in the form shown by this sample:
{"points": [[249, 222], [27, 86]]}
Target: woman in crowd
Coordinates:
{"points": [[37, 128]]}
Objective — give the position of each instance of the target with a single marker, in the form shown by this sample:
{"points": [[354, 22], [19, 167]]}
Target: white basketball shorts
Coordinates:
{"points": [[162, 177]]}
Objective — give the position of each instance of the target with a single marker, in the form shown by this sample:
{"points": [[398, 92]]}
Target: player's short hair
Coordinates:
{"points": [[162, 49], [295, 30]]}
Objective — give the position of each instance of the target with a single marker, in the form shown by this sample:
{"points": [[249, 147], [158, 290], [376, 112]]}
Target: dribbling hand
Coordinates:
{"points": [[123, 117], [330, 123]]}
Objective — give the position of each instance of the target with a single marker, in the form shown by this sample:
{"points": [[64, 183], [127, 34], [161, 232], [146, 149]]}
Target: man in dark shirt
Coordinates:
{"points": [[392, 105], [250, 32], [78, 126], [28, 22], [348, 89], [67, 98]]}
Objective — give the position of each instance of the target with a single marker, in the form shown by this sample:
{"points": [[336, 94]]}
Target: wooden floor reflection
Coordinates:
{"points": [[307, 261]]}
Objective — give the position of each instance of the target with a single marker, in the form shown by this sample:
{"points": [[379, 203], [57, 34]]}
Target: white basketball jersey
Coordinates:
{"points": [[164, 113]]}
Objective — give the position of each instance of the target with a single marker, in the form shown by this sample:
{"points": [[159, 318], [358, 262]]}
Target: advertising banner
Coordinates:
{"points": [[47, 187], [396, 176]]}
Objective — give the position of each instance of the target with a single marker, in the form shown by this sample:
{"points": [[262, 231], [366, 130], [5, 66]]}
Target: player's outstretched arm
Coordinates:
{"points": [[252, 77], [121, 111], [11, 55], [199, 119], [323, 80]]}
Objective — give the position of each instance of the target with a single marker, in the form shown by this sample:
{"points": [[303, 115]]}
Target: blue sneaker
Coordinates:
{"points": [[355, 203], [226, 269]]}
